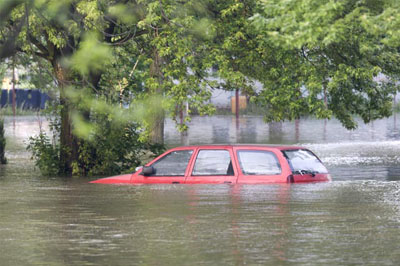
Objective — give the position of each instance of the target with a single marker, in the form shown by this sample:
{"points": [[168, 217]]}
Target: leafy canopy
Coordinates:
{"points": [[340, 60]]}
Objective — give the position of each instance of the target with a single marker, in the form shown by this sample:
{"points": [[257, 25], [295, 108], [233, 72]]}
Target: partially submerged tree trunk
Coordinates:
{"points": [[2, 143], [68, 142]]}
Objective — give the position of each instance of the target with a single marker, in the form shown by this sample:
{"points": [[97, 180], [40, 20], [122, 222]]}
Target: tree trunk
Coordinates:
{"points": [[2, 143], [14, 95], [157, 125], [68, 142], [157, 129]]}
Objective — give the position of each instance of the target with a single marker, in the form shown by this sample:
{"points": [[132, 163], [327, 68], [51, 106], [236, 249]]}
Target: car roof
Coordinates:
{"points": [[250, 146]]}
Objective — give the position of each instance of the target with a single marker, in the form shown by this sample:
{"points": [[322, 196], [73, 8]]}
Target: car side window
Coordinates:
{"points": [[258, 163], [213, 162], [173, 164], [304, 160]]}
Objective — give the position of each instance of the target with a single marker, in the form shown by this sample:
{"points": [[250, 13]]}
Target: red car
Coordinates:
{"points": [[228, 164]]}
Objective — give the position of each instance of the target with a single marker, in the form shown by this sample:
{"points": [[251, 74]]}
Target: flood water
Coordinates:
{"points": [[355, 219]]}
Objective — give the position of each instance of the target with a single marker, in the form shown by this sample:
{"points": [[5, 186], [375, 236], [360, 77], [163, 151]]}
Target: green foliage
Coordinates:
{"points": [[384, 22], [335, 59], [3, 69], [45, 154], [92, 56], [116, 148], [3, 159], [173, 52], [118, 67], [235, 51]]}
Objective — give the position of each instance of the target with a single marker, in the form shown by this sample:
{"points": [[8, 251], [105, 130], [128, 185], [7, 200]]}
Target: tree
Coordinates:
{"points": [[62, 33], [172, 52], [338, 57], [80, 40], [311, 57]]}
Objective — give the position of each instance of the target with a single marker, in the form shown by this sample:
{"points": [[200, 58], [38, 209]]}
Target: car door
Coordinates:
{"points": [[213, 166], [260, 166], [170, 168]]}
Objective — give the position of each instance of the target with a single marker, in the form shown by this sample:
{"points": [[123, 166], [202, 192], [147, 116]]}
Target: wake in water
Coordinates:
{"points": [[361, 160]]}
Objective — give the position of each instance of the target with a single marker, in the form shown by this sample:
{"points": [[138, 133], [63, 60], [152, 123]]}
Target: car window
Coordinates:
{"points": [[304, 160], [173, 164], [213, 162], [258, 163]]}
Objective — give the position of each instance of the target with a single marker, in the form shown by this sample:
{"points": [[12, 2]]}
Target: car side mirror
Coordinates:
{"points": [[148, 170]]}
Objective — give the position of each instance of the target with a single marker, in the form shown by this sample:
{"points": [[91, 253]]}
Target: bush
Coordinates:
{"points": [[116, 148], [45, 154]]}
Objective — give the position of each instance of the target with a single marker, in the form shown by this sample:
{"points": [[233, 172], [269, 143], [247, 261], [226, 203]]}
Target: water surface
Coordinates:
{"points": [[353, 220]]}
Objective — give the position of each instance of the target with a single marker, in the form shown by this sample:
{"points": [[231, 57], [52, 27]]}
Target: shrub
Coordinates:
{"points": [[116, 148], [45, 154]]}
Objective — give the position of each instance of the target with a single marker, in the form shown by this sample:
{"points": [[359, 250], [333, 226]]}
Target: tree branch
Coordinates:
{"points": [[38, 44], [165, 16], [8, 46]]}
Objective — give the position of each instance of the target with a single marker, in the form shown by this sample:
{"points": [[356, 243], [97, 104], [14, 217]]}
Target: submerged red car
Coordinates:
{"points": [[228, 164]]}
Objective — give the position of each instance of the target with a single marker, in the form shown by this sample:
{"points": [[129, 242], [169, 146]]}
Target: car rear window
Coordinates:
{"points": [[258, 162], [304, 161]]}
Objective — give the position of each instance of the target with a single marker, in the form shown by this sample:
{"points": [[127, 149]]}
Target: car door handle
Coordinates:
{"points": [[227, 182], [176, 182]]}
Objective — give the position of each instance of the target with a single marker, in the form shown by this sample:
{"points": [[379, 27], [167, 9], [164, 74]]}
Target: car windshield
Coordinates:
{"points": [[304, 161]]}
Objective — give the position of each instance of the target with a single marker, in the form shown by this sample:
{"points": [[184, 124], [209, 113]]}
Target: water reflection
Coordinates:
{"points": [[372, 151], [252, 129], [70, 222]]}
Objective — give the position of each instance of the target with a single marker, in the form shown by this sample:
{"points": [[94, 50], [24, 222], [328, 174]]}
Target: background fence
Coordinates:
{"points": [[25, 99]]}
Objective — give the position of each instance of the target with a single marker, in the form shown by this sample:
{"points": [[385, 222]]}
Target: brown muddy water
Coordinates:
{"points": [[355, 219]]}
